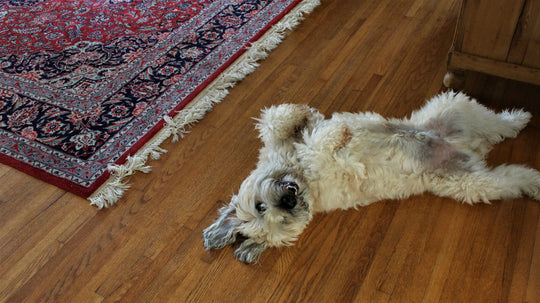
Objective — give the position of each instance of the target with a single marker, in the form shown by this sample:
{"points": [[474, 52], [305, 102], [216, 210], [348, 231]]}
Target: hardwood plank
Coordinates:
{"points": [[524, 267], [25, 259], [533, 285]]}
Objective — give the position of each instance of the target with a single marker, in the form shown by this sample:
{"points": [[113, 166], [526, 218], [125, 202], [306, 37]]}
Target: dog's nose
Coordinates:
{"points": [[288, 201], [290, 186]]}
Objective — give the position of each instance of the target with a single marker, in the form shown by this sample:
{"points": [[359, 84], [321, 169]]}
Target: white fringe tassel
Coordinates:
{"points": [[113, 189]]}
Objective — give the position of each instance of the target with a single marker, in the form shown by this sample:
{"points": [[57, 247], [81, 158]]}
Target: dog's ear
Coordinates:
{"points": [[285, 123], [250, 251], [224, 230]]}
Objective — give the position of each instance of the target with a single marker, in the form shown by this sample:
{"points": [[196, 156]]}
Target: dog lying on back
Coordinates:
{"points": [[309, 164]]}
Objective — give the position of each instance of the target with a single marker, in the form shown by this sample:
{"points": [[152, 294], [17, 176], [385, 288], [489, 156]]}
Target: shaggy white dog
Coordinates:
{"points": [[309, 164]]}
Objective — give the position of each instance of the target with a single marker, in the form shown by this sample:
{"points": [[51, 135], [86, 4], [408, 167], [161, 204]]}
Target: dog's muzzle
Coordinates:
{"points": [[290, 196]]}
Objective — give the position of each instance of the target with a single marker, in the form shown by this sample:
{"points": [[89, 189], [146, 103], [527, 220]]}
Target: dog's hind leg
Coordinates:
{"points": [[501, 182], [466, 123]]}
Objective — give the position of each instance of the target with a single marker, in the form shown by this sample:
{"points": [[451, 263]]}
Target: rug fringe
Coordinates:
{"points": [[114, 188]]}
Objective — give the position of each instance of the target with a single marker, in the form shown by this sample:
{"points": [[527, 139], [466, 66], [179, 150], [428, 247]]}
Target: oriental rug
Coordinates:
{"points": [[90, 89]]}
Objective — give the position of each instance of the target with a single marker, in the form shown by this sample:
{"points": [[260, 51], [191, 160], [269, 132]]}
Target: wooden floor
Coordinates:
{"points": [[386, 56]]}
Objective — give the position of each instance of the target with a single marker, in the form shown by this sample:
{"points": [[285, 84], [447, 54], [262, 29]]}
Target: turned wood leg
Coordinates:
{"points": [[454, 79]]}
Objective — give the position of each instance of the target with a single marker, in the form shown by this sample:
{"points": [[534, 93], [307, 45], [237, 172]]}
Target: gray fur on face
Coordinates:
{"points": [[276, 213]]}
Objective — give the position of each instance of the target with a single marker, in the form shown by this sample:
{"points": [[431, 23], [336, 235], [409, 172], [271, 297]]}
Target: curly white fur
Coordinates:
{"points": [[309, 164]]}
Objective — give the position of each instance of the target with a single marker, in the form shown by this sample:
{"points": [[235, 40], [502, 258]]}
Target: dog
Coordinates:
{"points": [[309, 164]]}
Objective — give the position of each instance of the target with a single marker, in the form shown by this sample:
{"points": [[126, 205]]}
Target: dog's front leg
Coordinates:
{"points": [[250, 251], [284, 124], [223, 231]]}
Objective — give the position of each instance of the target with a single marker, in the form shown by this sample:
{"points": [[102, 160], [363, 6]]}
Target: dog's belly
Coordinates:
{"points": [[381, 160], [433, 147], [342, 190]]}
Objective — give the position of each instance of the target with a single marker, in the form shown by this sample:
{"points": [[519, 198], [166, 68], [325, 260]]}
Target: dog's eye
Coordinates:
{"points": [[260, 207]]}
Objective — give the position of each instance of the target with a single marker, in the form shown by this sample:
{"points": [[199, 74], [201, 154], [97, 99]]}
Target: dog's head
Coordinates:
{"points": [[269, 210]]}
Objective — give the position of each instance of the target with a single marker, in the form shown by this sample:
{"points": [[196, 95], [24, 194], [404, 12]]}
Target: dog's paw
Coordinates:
{"points": [[217, 237], [222, 232], [286, 121], [532, 189], [249, 251]]}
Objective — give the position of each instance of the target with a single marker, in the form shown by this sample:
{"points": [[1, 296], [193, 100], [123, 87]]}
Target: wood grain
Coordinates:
{"points": [[499, 38], [497, 68], [348, 55]]}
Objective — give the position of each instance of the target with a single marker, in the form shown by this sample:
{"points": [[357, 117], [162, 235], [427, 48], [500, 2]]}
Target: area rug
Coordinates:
{"points": [[90, 89]]}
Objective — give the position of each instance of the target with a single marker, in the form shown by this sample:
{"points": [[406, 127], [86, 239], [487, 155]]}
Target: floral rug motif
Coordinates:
{"points": [[83, 84]]}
